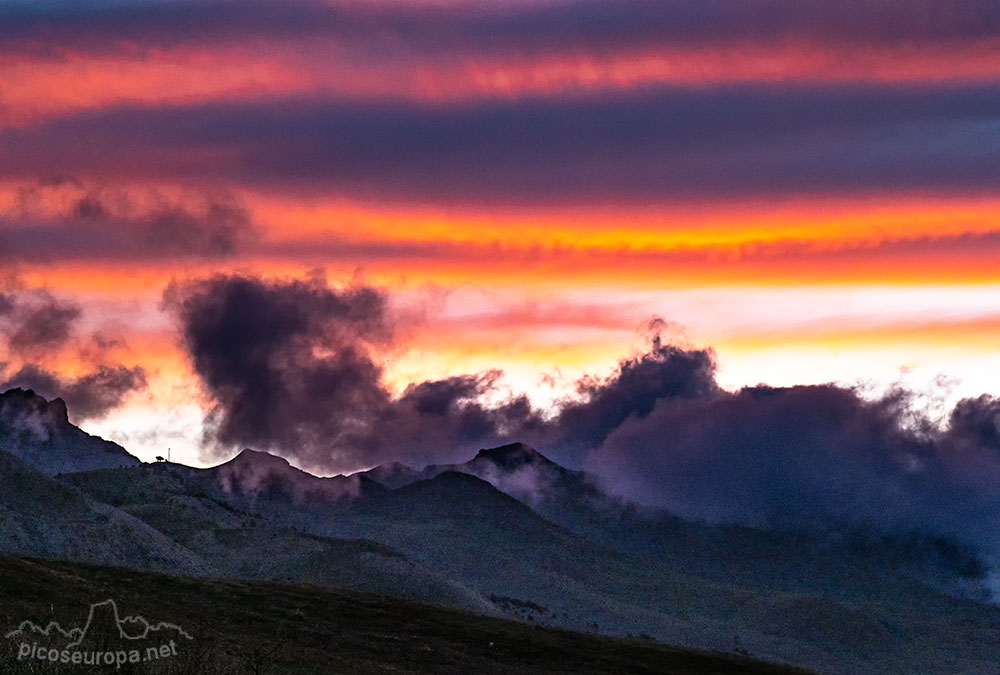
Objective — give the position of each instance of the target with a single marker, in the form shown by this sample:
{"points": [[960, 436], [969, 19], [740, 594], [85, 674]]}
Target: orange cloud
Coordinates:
{"points": [[34, 89]]}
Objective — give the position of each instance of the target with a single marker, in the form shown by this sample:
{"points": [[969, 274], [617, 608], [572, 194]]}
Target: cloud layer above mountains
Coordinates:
{"points": [[293, 367]]}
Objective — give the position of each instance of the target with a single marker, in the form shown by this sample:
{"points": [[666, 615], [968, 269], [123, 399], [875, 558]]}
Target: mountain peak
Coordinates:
{"points": [[512, 456], [391, 474], [455, 488], [257, 458], [19, 402], [39, 432], [255, 473]]}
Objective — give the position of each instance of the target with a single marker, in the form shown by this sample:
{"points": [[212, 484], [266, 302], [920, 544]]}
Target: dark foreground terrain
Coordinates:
{"points": [[261, 628]]}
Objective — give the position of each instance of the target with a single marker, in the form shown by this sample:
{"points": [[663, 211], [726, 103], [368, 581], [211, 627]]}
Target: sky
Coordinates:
{"points": [[809, 189]]}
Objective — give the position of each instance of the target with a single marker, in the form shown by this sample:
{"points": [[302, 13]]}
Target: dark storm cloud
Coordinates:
{"points": [[293, 366], [653, 144], [214, 228], [809, 457], [976, 422], [665, 372], [90, 396], [288, 364], [37, 326], [105, 223], [45, 326], [218, 232], [760, 455], [467, 30], [440, 420], [36, 321]]}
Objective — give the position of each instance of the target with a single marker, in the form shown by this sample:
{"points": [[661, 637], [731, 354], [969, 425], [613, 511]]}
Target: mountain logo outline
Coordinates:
{"points": [[78, 634]]}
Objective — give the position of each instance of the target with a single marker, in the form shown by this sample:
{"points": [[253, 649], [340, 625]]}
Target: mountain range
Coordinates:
{"points": [[508, 533]]}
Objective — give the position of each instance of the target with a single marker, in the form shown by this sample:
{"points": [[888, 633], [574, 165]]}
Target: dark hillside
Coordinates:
{"points": [[298, 630]]}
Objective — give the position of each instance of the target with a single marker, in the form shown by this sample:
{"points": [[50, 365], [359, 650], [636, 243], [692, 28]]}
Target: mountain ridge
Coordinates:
{"points": [[39, 432], [261, 475], [507, 533]]}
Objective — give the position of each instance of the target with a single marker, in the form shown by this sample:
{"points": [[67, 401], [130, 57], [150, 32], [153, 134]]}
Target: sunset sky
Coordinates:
{"points": [[812, 189]]}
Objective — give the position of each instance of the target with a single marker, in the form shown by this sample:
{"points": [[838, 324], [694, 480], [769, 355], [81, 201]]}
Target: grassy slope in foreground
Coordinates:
{"points": [[276, 628]]}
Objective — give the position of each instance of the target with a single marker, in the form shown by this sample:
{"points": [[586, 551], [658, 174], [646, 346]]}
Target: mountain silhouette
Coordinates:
{"points": [[40, 433], [451, 495], [512, 456], [392, 474], [43, 516], [260, 537], [512, 533], [515, 468], [568, 498], [261, 475]]}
